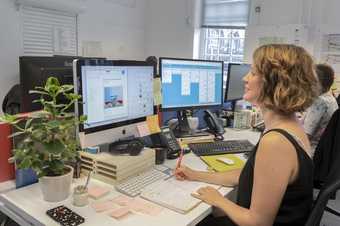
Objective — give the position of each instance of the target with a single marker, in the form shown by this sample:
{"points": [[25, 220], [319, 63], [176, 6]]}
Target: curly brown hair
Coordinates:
{"points": [[289, 80]]}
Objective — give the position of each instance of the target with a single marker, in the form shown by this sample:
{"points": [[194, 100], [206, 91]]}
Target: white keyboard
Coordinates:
{"points": [[134, 185]]}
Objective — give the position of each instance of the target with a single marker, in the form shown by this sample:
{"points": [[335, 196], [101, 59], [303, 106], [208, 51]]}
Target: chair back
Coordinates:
{"points": [[321, 203], [327, 152]]}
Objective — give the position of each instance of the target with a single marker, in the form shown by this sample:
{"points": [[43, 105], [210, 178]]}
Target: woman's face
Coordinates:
{"points": [[252, 86]]}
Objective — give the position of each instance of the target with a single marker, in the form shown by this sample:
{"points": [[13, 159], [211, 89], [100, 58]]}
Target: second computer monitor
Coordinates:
{"points": [[115, 96], [235, 85], [188, 83]]}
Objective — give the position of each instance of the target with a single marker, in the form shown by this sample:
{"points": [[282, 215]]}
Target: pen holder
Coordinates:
{"points": [[80, 196]]}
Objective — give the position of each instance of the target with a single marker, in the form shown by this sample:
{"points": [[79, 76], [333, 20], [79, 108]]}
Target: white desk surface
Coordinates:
{"points": [[27, 207]]}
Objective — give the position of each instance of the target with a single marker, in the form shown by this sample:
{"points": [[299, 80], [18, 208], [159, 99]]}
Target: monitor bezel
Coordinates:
{"points": [[228, 81], [196, 106], [81, 63]]}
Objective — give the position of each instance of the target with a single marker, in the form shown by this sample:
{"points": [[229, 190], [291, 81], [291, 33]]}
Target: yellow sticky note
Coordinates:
{"points": [[153, 125], [157, 96]]}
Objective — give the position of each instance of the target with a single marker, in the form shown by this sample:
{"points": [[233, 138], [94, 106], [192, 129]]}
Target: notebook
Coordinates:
{"points": [[211, 161], [174, 194]]}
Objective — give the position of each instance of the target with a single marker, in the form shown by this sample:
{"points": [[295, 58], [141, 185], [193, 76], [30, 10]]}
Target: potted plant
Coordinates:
{"points": [[49, 139]]}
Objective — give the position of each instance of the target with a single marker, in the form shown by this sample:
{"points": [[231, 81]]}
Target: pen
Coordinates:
{"points": [[88, 179], [180, 159]]}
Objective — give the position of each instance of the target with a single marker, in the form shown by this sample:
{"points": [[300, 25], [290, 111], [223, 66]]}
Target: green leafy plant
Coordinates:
{"points": [[48, 136]]}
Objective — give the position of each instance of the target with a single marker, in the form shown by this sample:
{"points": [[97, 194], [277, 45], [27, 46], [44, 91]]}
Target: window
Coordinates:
{"points": [[223, 44], [48, 32], [223, 29]]}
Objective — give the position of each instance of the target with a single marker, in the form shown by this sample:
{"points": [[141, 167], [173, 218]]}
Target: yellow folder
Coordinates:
{"points": [[211, 161]]}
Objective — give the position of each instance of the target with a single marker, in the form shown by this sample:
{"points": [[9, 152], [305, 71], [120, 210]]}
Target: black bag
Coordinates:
{"points": [[12, 101]]}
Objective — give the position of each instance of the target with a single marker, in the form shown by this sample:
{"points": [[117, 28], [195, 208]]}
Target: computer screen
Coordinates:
{"points": [[35, 70], [235, 85], [114, 94], [188, 83]]}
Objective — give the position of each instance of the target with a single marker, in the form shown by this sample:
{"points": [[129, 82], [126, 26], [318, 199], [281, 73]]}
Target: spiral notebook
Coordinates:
{"points": [[174, 194]]}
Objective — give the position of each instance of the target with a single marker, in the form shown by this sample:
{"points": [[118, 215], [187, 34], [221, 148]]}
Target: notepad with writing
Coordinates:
{"points": [[174, 194], [211, 161]]}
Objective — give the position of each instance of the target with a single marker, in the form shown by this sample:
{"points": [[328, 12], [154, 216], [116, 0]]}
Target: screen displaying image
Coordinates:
{"points": [[116, 93], [113, 97]]}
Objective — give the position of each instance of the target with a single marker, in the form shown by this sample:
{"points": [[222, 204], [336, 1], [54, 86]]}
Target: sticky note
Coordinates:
{"points": [[122, 200], [97, 192], [120, 213], [143, 130], [146, 207], [103, 206], [157, 96], [153, 124]]}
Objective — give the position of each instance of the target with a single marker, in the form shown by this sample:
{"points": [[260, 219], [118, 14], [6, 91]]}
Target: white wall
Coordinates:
{"points": [[169, 28], [10, 47], [118, 25]]}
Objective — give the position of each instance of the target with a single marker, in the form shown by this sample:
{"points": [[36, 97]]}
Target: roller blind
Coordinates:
{"points": [[48, 32], [225, 13]]}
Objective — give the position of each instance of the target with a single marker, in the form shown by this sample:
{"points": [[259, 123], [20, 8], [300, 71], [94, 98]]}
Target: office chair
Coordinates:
{"points": [[320, 204], [326, 169]]}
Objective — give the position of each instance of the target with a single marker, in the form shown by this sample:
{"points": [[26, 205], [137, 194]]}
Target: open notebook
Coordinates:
{"points": [[174, 194]]}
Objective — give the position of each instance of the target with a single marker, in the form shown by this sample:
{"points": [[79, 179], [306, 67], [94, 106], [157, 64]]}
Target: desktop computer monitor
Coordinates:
{"points": [[189, 84], [116, 96], [35, 70], [235, 86]]}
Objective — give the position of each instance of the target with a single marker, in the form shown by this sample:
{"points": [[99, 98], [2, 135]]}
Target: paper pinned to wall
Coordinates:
{"points": [[157, 96], [92, 49], [271, 40]]}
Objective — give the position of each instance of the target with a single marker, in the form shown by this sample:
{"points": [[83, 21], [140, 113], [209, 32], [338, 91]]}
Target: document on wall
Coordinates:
{"points": [[174, 194]]}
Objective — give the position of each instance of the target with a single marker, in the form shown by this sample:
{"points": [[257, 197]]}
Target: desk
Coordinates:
{"points": [[27, 207]]}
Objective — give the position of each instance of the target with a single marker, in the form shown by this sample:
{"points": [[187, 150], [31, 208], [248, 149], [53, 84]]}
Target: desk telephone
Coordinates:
{"points": [[169, 140], [214, 125]]}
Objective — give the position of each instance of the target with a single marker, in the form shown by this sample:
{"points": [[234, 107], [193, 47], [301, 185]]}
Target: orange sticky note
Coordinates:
{"points": [[153, 124], [143, 130]]}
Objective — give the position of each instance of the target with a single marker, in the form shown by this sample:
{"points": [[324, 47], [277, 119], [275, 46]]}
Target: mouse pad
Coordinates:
{"points": [[65, 216]]}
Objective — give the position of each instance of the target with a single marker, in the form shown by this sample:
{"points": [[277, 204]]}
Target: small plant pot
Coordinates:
{"points": [[57, 188]]}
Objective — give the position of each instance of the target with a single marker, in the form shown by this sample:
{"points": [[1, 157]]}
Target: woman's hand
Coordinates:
{"points": [[185, 173], [209, 195]]}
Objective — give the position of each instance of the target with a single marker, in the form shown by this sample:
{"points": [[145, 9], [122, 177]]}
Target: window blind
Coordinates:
{"points": [[48, 32], [225, 13]]}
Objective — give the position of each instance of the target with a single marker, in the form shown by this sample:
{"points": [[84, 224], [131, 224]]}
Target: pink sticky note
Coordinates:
{"points": [[143, 130], [122, 200], [145, 207], [103, 206], [120, 213], [97, 192]]}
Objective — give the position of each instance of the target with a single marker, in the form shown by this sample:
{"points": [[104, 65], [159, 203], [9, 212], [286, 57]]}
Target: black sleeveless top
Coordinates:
{"points": [[298, 198]]}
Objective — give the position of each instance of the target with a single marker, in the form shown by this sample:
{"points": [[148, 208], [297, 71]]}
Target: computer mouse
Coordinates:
{"points": [[225, 160]]}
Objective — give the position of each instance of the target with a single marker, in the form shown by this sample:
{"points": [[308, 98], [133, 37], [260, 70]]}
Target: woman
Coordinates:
{"points": [[275, 185], [317, 116]]}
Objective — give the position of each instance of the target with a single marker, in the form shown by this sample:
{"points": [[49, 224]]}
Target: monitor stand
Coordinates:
{"points": [[183, 129]]}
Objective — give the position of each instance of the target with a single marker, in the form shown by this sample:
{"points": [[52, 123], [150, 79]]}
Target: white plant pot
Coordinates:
{"points": [[56, 189]]}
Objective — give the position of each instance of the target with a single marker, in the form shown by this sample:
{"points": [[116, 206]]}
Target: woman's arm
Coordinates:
{"points": [[275, 166], [229, 178]]}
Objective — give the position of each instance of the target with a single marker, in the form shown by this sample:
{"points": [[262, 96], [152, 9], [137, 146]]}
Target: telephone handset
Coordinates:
{"points": [[169, 140], [215, 126]]}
